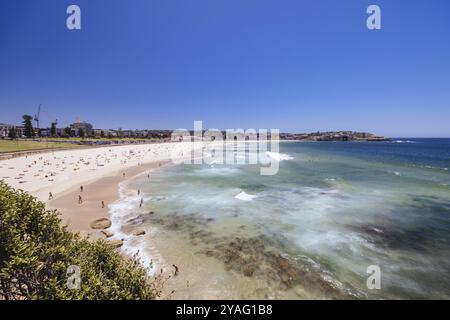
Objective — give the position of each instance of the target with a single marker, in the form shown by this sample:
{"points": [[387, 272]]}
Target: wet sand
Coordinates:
{"points": [[78, 217]]}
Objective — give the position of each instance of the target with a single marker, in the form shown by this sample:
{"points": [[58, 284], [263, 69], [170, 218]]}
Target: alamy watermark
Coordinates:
{"points": [[374, 280], [374, 20], [231, 147], [73, 277], [73, 21]]}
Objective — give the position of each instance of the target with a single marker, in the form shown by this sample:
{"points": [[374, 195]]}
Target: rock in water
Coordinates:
{"points": [[107, 233], [115, 243], [138, 232], [102, 223]]}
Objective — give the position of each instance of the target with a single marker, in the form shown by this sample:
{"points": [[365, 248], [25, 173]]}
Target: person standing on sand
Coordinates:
{"points": [[175, 273], [103, 204], [139, 191], [81, 188], [50, 196], [80, 200]]}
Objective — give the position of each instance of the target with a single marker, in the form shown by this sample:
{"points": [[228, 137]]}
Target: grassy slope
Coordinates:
{"points": [[11, 146]]}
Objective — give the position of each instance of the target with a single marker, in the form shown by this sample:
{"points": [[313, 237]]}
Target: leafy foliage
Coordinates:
{"points": [[67, 132], [28, 124], [81, 132], [35, 253], [53, 129], [12, 134]]}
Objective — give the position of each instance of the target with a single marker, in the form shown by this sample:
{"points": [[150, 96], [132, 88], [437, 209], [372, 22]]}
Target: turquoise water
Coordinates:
{"points": [[311, 231]]}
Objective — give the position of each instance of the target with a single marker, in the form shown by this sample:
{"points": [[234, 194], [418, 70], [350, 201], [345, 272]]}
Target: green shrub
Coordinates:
{"points": [[36, 252]]}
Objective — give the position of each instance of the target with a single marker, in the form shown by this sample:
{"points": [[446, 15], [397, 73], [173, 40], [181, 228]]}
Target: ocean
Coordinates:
{"points": [[312, 231]]}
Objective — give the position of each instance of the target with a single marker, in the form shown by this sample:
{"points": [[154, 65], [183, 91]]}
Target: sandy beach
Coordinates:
{"points": [[98, 170], [78, 217]]}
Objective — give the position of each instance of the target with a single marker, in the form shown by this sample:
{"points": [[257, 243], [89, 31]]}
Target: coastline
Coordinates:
{"points": [[174, 232], [61, 171], [55, 177], [78, 217], [120, 166]]}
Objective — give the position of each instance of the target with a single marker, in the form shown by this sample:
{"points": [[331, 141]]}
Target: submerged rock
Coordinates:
{"points": [[266, 258], [136, 220]]}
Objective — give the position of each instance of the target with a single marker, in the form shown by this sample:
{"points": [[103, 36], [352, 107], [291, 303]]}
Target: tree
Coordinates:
{"points": [[53, 129], [12, 133], [67, 132], [38, 258], [27, 123], [81, 132]]}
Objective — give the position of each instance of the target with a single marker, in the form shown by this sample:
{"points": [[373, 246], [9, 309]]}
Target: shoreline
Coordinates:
{"points": [[175, 236], [78, 217], [58, 172], [55, 177]]}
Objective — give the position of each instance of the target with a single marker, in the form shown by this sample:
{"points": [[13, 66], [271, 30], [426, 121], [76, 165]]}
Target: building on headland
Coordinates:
{"points": [[87, 130], [81, 126], [333, 136]]}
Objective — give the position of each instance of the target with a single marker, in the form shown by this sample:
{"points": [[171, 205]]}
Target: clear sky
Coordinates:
{"points": [[295, 65]]}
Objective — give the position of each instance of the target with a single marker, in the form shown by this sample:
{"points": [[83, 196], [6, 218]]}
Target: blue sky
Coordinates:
{"points": [[295, 65]]}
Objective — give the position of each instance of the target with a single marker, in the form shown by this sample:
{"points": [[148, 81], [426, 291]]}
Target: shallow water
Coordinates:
{"points": [[310, 231]]}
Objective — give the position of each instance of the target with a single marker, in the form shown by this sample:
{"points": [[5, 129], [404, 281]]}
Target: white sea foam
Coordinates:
{"points": [[245, 196], [121, 211], [216, 171], [403, 141], [342, 221], [278, 156]]}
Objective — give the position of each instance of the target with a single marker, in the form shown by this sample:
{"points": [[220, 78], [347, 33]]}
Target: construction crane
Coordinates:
{"points": [[36, 116]]}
